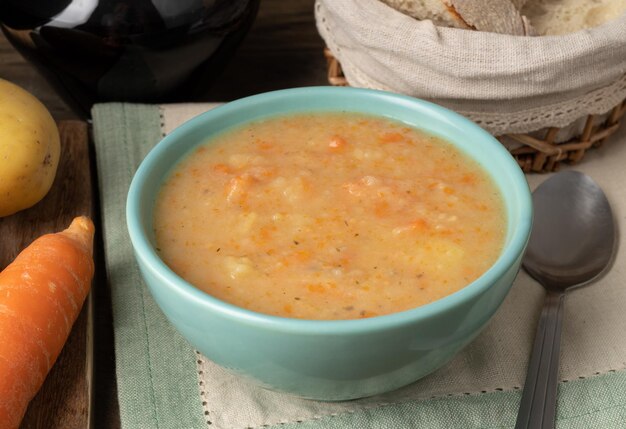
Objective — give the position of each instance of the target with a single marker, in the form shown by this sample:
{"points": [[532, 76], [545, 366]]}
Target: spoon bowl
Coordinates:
{"points": [[572, 243], [573, 235]]}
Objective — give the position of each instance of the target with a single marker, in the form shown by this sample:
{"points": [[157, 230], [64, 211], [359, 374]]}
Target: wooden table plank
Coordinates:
{"points": [[65, 398]]}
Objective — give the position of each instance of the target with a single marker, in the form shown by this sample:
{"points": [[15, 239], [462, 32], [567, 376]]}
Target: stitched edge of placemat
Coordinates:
{"points": [[155, 366], [596, 402]]}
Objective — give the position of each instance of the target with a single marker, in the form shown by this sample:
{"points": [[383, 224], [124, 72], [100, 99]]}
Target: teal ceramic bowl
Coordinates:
{"points": [[330, 360]]}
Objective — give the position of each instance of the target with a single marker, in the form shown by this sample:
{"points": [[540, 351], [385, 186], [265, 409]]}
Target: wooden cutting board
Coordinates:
{"points": [[65, 398]]}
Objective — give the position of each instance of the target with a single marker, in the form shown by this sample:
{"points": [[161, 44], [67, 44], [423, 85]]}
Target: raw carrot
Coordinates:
{"points": [[41, 294]]}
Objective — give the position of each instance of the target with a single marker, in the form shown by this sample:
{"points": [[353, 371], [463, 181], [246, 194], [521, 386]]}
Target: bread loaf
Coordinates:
{"points": [[516, 17], [496, 16], [552, 17], [435, 10], [519, 4]]}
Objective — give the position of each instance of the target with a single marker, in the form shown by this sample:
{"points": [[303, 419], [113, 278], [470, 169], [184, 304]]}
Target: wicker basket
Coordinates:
{"points": [[535, 154]]}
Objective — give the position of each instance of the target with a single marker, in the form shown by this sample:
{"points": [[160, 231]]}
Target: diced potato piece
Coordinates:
{"points": [[296, 189], [238, 267], [447, 253], [246, 221], [370, 155], [239, 160], [237, 188]]}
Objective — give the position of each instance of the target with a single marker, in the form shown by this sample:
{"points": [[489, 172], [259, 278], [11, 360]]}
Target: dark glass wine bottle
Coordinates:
{"points": [[148, 51]]}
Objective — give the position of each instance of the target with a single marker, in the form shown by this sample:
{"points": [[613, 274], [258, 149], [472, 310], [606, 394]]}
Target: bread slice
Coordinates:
{"points": [[495, 16], [551, 17], [519, 4], [435, 10]]}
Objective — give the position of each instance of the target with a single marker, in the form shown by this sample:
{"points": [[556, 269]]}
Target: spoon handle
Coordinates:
{"points": [[538, 405]]}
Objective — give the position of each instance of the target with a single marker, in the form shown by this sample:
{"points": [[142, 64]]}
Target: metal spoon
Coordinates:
{"points": [[572, 242]]}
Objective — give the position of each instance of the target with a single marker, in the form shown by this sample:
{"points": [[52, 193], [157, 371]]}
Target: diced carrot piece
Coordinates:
{"points": [[381, 209], [222, 168], [303, 255], [419, 224], [337, 143], [468, 178], [391, 138], [263, 145], [316, 288]]}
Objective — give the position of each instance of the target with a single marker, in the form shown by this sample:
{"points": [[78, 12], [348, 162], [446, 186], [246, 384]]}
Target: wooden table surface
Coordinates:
{"points": [[283, 50]]}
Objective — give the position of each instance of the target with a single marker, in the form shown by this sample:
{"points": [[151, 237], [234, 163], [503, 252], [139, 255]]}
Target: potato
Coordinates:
{"points": [[29, 149]]}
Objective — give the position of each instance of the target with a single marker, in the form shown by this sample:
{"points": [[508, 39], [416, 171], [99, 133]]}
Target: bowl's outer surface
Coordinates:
{"points": [[330, 360]]}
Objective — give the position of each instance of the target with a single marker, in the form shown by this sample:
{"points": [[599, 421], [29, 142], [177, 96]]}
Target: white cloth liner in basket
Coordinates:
{"points": [[507, 84]]}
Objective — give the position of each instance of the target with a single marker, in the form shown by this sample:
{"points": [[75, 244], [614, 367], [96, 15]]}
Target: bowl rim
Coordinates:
{"points": [[148, 258]]}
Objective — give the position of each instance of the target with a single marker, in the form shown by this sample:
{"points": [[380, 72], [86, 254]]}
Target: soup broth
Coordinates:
{"points": [[329, 216]]}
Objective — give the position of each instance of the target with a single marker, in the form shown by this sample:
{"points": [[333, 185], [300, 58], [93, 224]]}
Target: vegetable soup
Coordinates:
{"points": [[329, 216]]}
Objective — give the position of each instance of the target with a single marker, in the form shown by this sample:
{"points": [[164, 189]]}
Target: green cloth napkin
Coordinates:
{"points": [[156, 377], [156, 368]]}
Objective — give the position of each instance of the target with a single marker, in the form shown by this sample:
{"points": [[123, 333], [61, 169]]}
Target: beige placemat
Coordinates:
{"points": [[593, 331]]}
